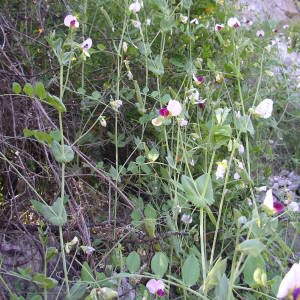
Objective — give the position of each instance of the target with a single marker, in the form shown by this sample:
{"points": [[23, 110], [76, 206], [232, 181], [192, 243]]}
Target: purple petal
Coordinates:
{"points": [[296, 294], [278, 206], [164, 112], [160, 293]]}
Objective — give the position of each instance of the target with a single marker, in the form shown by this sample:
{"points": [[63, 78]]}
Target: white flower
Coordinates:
{"points": [[187, 219], [264, 109], [221, 169], [233, 22], [136, 23], [219, 27], [71, 21], [87, 44], [261, 188], [183, 122], [103, 122], [260, 33], [183, 19], [242, 220], [125, 47], [135, 7], [179, 208], [286, 26], [236, 176], [219, 78], [157, 121], [240, 165], [90, 250], [268, 201], [195, 21], [116, 104], [174, 107], [290, 284], [241, 149], [294, 206], [194, 95], [129, 75], [238, 114], [148, 22]]}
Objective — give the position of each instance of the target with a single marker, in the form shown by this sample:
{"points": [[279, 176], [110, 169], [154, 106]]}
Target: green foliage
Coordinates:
{"points": [[199, 191], [56, 213], [62, 155], [159, 264], [133, 262], [190, 270]]}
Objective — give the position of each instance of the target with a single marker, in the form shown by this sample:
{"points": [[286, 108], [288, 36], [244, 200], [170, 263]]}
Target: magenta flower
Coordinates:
{"points": [[156, 287], [272, 204], [164, 112], [71, 21], [198, 80]]}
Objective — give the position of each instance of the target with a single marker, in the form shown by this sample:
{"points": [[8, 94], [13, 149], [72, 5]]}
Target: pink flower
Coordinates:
{"points": [[183, 122], [164, 112], [156, 287], [233, 22], [272, 204], [87, 44], [71, 21], [174, 107], [290, 285], [219, 27], [198, 80], [260, 33]]}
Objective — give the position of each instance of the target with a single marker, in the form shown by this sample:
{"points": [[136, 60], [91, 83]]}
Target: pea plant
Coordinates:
{"points": [[172, 104]]}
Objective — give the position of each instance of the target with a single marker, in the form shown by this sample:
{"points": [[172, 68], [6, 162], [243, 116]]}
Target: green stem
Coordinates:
{"points": [[62, 184]]}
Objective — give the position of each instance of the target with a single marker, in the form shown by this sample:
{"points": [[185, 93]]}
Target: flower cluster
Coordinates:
{"points": [[71, 22]]}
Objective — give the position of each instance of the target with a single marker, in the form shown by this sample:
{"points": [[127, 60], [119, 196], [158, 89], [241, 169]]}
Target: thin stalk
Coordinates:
{"points": [[62, 185]]}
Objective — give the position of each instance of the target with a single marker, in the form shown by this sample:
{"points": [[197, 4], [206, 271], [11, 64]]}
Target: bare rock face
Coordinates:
{"points": [[278, 10]]}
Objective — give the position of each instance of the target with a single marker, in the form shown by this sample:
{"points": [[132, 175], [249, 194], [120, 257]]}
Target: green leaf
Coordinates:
{"points": [[251, 247], [252, 263], [150, 225], [77, 291], [42, 137], [133, 262], [222, 288], [28, 89], [51, 213], [222, 134], [156, 66], [40, 90], [190, 270], [199, 191], [55, 102], [150, 211], [152, 155], [244, 124], [159, 264], [65, 157], [87, 273], [44, 282], [16, 88], [51, 252], [215, 274], [144, 48]]}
